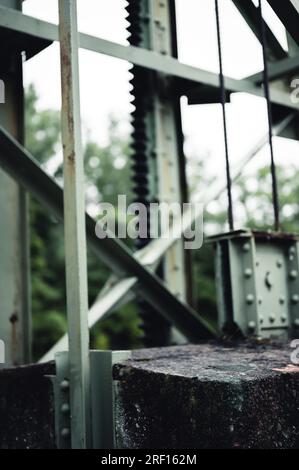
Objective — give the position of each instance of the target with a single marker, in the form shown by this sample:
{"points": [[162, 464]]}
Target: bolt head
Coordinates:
{"points": [[279, 263], [65, 433], [246, 247], [295, 299], [249, 299], [65, 385], [296, 323], [282, 299], [293, 274], [65, 408], [272, 318], [284, 318], [248, 273], [251, 325]]}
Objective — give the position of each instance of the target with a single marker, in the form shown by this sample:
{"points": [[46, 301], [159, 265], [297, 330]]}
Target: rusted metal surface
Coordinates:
{"points": [[257, 234], [15, 327], [74, 224], [275, 236]]}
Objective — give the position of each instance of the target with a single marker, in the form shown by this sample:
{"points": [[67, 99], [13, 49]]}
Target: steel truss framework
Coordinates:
{"points": [[133, 274]]}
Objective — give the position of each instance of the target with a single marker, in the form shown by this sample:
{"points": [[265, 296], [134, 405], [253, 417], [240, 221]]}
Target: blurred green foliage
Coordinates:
{"points": [[107, 174]]}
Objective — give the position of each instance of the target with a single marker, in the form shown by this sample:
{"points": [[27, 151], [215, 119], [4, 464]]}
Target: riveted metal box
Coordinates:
{"points": [[258, 283]]}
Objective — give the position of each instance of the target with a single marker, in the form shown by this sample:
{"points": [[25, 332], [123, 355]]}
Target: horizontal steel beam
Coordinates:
{"points": [[189, 76], [278, 70], [20, 165]]}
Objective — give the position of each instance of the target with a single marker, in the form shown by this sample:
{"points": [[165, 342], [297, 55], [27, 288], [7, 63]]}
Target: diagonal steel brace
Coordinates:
{"points": [[20, 165]]}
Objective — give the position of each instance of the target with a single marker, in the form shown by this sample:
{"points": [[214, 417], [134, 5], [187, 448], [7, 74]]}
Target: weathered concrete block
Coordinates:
{"points": [[27, 408], [208, 396]]}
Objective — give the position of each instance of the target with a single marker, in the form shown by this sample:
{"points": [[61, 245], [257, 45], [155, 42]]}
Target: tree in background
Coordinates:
{"points": [[256, 198], [47, 265], [107, 174]]}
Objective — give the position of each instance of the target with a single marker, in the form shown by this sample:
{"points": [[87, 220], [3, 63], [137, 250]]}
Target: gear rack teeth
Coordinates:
{"points": [[156, 331]]}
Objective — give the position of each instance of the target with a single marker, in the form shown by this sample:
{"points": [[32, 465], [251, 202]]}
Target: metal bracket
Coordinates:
{"points": [[102, 398], [62, 401], [258, 283]]}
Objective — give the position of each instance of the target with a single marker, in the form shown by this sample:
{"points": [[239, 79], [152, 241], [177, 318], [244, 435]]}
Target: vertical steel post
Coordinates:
{"points": [[74, 223], [15, 317], [102, 392], [170, 188], [157, 144]]}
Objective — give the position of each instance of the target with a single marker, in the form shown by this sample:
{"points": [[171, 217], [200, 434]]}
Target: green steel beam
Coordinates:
{"points": [[117, 293], [278, 70], [187, 75], [74, 227], [15, 311], [250, 13], [287, 12], [21, 166], [103, 396]]}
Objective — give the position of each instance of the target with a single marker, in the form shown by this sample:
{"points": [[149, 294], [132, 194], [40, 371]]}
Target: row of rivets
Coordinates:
{"points": [[293, 275], [250, 297], [282, 299], [65, 409], [272, 319]]}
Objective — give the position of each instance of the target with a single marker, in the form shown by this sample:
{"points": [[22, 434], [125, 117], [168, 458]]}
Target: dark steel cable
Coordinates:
{"points": [[223, 103], [270, 119]]}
